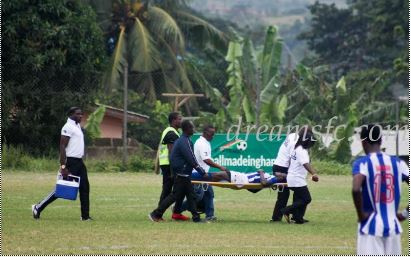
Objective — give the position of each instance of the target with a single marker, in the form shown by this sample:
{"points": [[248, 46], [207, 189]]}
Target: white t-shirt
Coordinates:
{"points": [[297, 174], [202, 151], [75, 146], [283, 156]]}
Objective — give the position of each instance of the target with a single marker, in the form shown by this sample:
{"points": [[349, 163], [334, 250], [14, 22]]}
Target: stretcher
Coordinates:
{"points": [[252, 186]]}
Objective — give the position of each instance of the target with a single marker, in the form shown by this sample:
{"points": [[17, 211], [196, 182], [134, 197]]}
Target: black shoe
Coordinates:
{"points": [[35, 212], [87, 219], [303, 220], [153, 218], [197, 220]]}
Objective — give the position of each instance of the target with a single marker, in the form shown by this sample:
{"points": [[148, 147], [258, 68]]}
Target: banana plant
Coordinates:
{"points": [[254, 79], [93, 122], [235, 80]]}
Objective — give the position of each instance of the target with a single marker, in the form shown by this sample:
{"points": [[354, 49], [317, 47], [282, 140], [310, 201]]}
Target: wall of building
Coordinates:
{"points": [[110, 127]]}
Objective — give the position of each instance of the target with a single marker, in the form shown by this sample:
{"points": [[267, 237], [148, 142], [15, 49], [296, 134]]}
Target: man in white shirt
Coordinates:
{"points": [[202, 152], [71, 162], [296, 178], [281, 164]]}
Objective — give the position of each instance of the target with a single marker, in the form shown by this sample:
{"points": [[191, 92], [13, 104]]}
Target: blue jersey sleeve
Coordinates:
{"points": [[356, 166], [272, 180], [404, 170]]}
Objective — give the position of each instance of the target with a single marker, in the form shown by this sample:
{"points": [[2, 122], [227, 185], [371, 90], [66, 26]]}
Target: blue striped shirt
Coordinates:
{"points": [[381, 192]]}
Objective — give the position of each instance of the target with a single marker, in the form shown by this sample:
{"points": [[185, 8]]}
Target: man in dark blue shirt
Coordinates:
{"points": [[182, 161]]}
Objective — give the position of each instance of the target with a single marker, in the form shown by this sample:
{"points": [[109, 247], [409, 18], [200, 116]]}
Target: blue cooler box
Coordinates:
{"points": [[67, 189]]}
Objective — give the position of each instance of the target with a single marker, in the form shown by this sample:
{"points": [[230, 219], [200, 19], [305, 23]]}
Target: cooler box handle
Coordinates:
{"points": [[67, 189]]}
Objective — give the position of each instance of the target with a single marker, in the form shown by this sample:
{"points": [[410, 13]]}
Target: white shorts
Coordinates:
{"points": [[238, 178], [377, 245]]}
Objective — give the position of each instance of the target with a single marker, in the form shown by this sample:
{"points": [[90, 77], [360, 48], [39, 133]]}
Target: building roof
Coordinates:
{"points": [[118, 113]]}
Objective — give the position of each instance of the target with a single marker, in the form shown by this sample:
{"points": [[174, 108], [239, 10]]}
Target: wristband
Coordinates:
{"points": [[404, 213]]}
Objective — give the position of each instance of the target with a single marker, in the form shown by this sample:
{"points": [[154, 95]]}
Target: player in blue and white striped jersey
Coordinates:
{"points": [[376, 193], [240, 178], [254, 177]]}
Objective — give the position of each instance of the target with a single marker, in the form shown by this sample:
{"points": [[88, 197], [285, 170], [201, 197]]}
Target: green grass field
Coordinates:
{"points": [[120, 203]]}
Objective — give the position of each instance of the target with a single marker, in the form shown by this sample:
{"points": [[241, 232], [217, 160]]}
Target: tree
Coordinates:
{"points": [[149, 37], [338, 37], [53, 56], [367, 34], [364, 46], [254, 79]]}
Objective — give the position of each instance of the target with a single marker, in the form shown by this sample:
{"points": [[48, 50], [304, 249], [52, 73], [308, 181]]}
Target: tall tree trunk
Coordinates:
{"points": [[125, 96]]}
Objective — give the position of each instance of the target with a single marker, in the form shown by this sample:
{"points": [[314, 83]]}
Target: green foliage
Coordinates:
{"points": [[15, 158], [149, 38], [140, 164], [201, 71], [93, 122], [53, 54], [249, 70], [235, 82], [342, 152], [367, 34], [149, 133]]}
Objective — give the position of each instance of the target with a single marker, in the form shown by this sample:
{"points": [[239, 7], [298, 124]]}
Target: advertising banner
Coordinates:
{"points": [[245, 152]]}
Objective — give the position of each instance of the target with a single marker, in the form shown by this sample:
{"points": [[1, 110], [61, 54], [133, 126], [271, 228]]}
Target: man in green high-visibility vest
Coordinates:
{"points": [[168, 137]]}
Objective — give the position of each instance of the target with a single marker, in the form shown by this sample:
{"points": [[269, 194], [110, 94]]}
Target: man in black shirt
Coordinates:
{"points": [[183, 162], [168, 137]]}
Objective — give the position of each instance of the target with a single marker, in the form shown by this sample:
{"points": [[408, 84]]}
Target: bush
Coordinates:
{"points": [[15, 158], [104, 166], [139, 164], [135, 164]]}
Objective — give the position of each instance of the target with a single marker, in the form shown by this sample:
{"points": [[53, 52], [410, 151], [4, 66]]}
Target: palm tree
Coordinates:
{"points": [[149, 38]]}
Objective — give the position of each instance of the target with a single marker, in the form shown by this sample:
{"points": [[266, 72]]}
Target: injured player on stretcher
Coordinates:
{"points": [[239, 178]]}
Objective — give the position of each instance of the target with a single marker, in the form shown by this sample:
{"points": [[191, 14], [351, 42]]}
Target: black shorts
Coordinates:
{"points": [[280, 169]]}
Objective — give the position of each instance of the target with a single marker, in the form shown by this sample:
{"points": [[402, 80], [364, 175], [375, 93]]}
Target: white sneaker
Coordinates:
{"points": [[35, 212]]}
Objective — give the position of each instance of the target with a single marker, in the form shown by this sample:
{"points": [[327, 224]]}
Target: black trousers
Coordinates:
{"points": [[182, 188], [76, 168], [301, 199], [168, 181], [282, 197]]}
